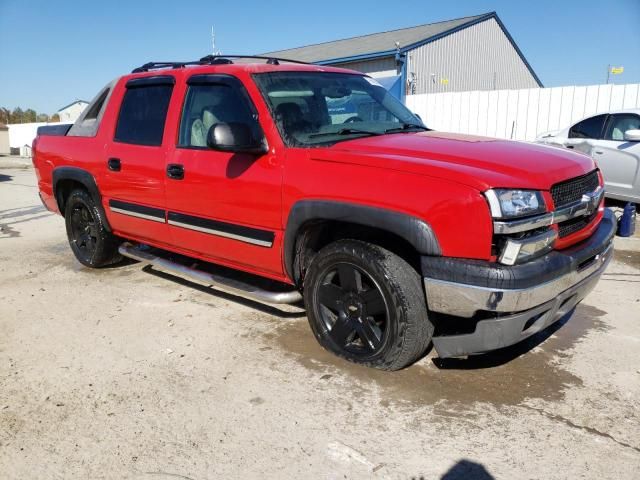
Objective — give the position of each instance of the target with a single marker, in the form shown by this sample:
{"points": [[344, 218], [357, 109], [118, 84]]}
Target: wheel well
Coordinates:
{"points": [[64, 188], [316, 234]]}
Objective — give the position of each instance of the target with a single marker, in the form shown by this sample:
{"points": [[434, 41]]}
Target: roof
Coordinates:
{"points": [[73, 103], [376, 43]]}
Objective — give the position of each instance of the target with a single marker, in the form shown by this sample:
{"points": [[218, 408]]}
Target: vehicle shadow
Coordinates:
{"points": [[239, 163], [268, 309], [5, 178], [502, 356], [467, 470]]}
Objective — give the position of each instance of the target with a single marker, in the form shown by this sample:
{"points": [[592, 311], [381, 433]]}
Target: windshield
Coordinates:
{"points": [[313, 108]]}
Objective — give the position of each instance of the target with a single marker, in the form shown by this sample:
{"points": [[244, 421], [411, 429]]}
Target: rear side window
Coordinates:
{"points": [[143, 113], [589, 128]]}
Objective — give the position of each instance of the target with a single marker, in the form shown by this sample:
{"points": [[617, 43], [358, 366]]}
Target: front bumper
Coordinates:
{"points": [[519, 300]]}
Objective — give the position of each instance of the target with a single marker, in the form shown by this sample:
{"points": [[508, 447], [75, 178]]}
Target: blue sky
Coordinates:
{"points": [[53, 52]]}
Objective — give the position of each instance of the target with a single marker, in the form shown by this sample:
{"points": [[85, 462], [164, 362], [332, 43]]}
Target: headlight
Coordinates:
{"points": [[514, 203]]}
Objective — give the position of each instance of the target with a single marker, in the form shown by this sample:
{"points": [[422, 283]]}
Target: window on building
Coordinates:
{"points": [[143, 113]]}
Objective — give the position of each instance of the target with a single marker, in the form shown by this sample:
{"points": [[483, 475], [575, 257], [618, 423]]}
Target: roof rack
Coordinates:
{"points": [[212, 60]]}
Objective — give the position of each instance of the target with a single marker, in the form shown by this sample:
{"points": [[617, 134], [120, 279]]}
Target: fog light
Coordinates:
{"points": [[518, 250]]}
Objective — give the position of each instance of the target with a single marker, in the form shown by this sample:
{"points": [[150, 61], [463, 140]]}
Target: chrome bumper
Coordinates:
{"points": [[515, 301], [465, 300]]}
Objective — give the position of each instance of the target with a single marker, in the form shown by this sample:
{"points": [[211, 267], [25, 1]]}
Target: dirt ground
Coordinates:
{"points": [[127, 373]]}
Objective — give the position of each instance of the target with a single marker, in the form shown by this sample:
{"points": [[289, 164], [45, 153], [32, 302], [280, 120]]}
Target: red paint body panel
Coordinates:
{"points": [[434, 176]]}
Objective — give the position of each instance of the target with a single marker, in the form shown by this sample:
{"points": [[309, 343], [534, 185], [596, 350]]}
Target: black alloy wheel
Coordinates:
{"points": [[367, 305], [353, 309], [84, 231], [91, 242]]}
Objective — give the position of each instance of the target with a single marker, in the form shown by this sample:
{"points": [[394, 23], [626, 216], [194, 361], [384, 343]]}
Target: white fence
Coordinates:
{"points": [[21, 134], [519, 114]]}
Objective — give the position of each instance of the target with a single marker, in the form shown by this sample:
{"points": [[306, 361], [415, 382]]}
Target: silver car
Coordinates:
{"points": [[613, 140]]}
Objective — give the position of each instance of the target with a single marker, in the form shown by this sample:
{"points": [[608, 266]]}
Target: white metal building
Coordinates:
{"points": [[71, 112], [4, 139], [470, 53]]}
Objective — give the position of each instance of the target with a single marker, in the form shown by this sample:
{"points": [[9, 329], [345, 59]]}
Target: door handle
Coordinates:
{"points": [[114, 164], [570, 146], [175, 171], [599, 152]]}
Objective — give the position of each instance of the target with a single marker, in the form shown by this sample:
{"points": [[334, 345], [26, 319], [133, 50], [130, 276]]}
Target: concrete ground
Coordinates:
{"points": [[125, 373]]}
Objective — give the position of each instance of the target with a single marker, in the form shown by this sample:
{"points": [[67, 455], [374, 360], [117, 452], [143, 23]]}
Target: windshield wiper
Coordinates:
{"points": [[344, 131], [406, 127]]}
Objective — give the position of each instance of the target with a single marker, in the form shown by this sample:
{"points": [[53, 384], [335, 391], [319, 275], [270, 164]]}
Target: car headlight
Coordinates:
{"points": [[506, 203]]}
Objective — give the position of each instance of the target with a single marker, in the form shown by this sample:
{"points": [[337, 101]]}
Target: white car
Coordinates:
{"points": [[613, 140]]}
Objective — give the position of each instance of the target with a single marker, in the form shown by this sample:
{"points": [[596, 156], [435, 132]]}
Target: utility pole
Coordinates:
{"points": [[213, 43]]}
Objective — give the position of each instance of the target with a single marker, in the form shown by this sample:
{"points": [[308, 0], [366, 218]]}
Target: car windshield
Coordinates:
{"points": [[314, 108]]}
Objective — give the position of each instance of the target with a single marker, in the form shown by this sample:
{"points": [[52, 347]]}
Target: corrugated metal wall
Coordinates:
{"points": [[520, 114], [377, 67], [479, 57]]}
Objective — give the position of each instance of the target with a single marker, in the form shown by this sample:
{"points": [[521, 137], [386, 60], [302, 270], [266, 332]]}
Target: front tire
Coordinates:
{"points": [[92, 244], [366, 304]]}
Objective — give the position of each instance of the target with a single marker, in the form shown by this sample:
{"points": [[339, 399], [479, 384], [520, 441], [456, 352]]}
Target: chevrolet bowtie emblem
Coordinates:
{"points": [[591, 201]]}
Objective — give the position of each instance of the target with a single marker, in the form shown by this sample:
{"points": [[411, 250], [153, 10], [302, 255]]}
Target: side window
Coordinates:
{"points": [[620, 123], [208, 104], [589, 128], [143, 113]]}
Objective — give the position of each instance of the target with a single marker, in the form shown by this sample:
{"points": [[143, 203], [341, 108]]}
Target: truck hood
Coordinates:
{"points": [[478, 162]]}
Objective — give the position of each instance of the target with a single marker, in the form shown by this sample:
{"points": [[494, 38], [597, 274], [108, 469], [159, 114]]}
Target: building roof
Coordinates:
{"points": [[376, 43], [73, 103]]}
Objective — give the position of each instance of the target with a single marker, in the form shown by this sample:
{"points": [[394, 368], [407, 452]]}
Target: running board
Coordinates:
{"points": [[229, 285]]}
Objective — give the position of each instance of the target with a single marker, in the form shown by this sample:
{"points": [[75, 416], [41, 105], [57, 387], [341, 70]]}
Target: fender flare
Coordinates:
{"points": [[83, 177], [414, 230]]}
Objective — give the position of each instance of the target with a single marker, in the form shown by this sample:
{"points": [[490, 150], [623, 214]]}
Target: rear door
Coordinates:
{"points": [[584, 133], [222, 205], [134, 160]]}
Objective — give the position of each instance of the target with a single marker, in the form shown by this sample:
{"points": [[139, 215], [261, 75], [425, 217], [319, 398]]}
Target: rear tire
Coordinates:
{"points": [[366, 304], [92, 244]]}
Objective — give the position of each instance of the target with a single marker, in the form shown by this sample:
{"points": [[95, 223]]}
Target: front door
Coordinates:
{"points": [[134, 162], [221, 205], [619, 159]]}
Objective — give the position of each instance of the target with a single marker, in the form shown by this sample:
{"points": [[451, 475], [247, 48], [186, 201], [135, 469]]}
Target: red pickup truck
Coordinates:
{"points": [[285, 181]]}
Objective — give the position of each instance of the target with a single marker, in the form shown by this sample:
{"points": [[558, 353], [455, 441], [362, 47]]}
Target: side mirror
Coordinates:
{"points": [[234, 137], [632, 135]]}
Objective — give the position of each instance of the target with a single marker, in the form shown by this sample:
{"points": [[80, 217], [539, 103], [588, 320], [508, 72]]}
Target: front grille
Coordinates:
{"points": [[575, 224], [572, 190]]}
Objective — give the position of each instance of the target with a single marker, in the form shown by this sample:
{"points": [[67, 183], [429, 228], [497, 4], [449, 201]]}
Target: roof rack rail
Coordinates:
{"points": [[212, 60]]}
